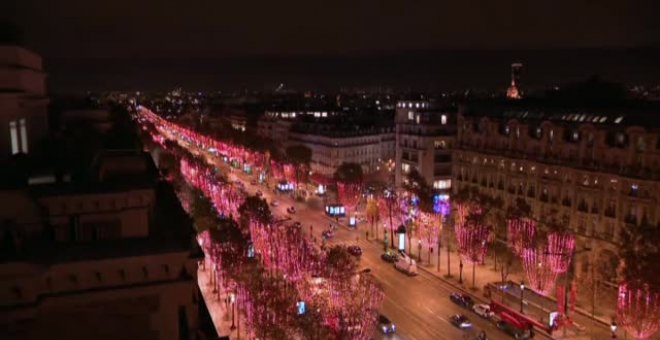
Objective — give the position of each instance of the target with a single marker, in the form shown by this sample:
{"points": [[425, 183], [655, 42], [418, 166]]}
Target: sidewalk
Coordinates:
{"points": [[220, 311]]}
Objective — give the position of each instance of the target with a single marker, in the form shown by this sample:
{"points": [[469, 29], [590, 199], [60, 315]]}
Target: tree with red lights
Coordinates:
{"points": [[349, 185], [638, 306]]}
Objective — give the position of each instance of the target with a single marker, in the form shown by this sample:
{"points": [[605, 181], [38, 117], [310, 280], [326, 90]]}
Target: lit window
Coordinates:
{"points": [[13, 133], [411, 115], [443, 119], [618, 120], [405, 167], [442, 184], [417, 119], [417, 105]]}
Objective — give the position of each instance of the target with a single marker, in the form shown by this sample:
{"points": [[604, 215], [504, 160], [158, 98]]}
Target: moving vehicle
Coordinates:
{"points": [[355, 250], [406, 265], [385, 325], [389, 256], [460, 321], [483, 310], [328, 234], [461, 299]]}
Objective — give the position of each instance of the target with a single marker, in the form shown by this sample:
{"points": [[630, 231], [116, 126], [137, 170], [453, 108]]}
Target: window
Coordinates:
{"points": [[411, 115], [13, 133], [24, 138], [443, 119], [405, 167], [442, 184], [440, 144]]}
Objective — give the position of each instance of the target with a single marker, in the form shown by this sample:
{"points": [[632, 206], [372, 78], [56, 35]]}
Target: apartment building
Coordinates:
{"points": [[598, 167], [97, 259], [370, 148], [23, 101], [425, 136]]}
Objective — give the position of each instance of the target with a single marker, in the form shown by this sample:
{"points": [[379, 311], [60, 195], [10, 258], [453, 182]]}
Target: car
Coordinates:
{"points": [[386, 326], [460, 321], [483, 310], [461, 299], [291, 210], [328, 234], [389, 257], [512, 331], [274, 204], [355, 250]]}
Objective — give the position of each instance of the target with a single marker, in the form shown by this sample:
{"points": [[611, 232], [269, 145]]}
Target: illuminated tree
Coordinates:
{"points": [[638, 307], [539, 272], [638, 310]]}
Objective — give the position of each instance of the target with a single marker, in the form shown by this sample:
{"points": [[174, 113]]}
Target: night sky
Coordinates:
{"points": [[66, 31]]}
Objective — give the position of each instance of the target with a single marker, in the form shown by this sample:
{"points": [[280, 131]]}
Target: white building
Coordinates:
{"points": [[23, 101], [330, 148], [424, 140]]}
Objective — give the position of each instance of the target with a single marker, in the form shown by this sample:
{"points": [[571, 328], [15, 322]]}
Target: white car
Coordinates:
{"points": [[483, 310]]}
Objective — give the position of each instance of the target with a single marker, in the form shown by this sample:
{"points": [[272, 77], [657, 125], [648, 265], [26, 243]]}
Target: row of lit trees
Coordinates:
{"points": [[290, 255]]}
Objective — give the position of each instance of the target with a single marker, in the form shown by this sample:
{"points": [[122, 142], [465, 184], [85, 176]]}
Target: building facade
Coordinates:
{"points": [[330, 148], [425, 136], [23, 101], [599, 169], [95, 260]]}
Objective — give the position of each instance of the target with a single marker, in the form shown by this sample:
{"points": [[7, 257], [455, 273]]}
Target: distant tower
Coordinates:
{"points": [[513, 92]]}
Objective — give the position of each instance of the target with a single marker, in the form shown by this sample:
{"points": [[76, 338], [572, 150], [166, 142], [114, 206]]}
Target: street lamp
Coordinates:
{"points": [[613, 327], [522, 295], [232, 298]]}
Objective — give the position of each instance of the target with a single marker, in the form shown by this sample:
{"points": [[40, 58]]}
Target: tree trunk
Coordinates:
{"points": [[448, 261], [391, 229], [474, 265]]}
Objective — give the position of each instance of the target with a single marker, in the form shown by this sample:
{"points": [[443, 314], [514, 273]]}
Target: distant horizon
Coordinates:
{"points": [[419, 70]]}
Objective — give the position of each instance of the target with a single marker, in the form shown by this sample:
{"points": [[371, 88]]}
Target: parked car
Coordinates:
{"points": [[483, 310], [460, 321], [355, 250], [389, 256], [461, 299], [513, 331], [385, 325]]}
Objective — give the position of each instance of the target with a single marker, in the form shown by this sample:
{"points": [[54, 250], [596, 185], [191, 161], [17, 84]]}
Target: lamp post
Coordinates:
{"points": [[232, 298], [522, 295], [613, 327]]}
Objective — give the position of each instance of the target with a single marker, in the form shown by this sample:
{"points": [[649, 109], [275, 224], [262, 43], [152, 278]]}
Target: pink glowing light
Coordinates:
{"points": [[560, 250], [539, 272], [521, 234], [638, 310]]}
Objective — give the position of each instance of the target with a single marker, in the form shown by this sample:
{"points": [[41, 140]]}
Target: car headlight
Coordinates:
{"points": [[384, 329]]}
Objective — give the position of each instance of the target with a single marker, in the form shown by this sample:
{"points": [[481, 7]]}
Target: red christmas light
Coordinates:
{"points": [[539, 272], [521, 234], [638, 310]]}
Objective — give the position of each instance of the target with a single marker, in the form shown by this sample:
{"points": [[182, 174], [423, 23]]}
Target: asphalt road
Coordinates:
{"points": [[419, 305]]}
